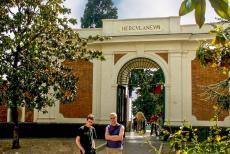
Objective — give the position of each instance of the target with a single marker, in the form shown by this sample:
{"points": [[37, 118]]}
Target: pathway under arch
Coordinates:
{"points": [[123, 107]]}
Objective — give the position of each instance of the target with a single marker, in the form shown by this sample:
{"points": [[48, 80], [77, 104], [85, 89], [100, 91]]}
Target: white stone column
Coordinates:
{"points": [[167, 102], [8, 115], [23, 114], [51, 115], [97, 90], [190, 58], [35, 115], [108, 91], [175, 102], [186, 85]]}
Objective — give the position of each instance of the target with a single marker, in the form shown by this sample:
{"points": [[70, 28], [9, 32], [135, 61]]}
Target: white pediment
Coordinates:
{"points": [[149, 26]]}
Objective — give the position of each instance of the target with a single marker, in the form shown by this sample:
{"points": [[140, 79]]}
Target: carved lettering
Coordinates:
{"points": [[140, 28]]}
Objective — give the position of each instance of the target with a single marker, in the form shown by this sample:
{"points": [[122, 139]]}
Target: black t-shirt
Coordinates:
{"points": [[86, 136]]}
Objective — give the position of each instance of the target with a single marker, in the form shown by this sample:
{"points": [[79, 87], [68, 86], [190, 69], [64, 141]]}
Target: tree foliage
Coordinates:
{"points": [[145, 81], [95, 11], [148, 104], [216, 53], [35, 38], [221, 8]]}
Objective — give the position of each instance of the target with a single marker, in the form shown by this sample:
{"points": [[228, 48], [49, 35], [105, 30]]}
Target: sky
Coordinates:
{"points": [[142, 9]]}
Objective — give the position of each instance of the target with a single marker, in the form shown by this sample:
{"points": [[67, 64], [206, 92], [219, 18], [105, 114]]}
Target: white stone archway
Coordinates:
{"points": [[174, 42], [156, 59]]}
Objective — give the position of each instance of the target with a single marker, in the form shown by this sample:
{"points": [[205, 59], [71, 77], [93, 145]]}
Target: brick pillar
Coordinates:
{"points": [[29, 115], [82, 105], [3, 113], [203, 110]]}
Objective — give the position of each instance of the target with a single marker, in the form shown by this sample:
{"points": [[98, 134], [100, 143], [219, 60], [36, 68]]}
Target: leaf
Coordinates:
{"points": [[215, 40], [200, 9], [221, 7], [186, 7]]}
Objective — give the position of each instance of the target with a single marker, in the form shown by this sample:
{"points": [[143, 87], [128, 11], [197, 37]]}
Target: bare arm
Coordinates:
{"points": [[94, 136], [106, 133], [79, 144], [93, 144], [115, 137]]}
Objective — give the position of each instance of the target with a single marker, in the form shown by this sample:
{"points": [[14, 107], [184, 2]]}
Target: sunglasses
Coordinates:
{"points": [[113, 118]]}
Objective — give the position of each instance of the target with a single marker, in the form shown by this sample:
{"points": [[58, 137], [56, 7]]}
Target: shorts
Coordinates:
{"points": [[113, 150]]}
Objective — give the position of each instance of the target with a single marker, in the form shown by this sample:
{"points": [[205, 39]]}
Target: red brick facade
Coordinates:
{"points": [[82, 105], [117, 57], [3, 113], [29, 116], [164, 56], [201, 109]]}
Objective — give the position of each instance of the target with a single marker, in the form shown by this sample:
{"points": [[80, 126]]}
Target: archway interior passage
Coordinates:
{"points": [[137, 63], [124, 104]]}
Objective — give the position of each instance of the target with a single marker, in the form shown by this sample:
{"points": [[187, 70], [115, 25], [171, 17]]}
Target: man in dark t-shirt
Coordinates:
{"points": [[85, 136]]}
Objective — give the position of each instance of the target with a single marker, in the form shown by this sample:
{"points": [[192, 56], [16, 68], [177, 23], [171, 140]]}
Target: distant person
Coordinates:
{"points": [[86, 135], [114, 135], [135, 124], [141, 122], [144, 126], [153, 122]]}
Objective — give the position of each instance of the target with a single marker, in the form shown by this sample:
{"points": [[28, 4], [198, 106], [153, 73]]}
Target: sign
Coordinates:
{"points": [[140, 28]]}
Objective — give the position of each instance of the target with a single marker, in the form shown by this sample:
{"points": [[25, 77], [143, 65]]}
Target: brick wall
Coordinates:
{"points": [[3, 113], [82, 105], [117, 57], [29, 116], [201, 109], [164, 56]]}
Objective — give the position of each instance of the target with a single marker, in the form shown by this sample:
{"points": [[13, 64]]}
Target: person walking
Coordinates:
{"points": [[153, 122], [114, 135], [141, 122], [86, 135]]}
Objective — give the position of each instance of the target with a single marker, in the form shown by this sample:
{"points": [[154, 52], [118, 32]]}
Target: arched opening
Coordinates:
{"points": [[127, 85]]}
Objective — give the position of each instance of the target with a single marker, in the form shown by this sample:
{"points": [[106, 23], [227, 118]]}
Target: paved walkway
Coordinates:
{"points": [[133, 144], [137, 144]]}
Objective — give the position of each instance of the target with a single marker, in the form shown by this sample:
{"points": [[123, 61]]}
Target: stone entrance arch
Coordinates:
{"points": [[172, 46], [122, 70], [136, 63]]}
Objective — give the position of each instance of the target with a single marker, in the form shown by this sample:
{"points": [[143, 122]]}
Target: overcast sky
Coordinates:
{"points": [[142, 9]]}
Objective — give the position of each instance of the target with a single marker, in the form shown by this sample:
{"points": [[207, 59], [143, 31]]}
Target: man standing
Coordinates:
{"points": [[85, 136], [114, 134]]}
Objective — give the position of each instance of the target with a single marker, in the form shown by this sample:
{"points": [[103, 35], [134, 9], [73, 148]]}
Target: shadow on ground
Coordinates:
{"points": [[43, 146]]}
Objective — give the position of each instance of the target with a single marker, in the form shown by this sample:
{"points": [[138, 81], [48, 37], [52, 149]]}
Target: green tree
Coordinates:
{"points": [[35, 38], [95, 11], [148, 104], [144, 81], [221, 8]]}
